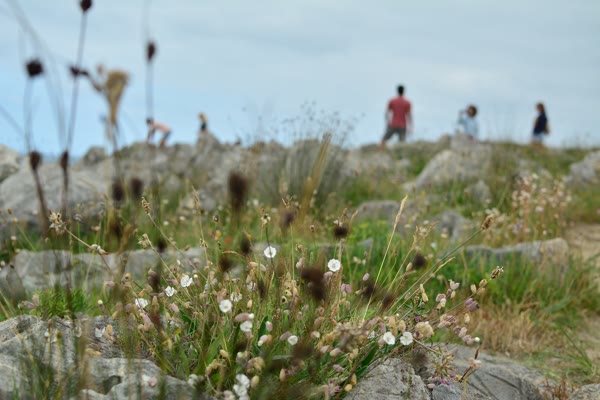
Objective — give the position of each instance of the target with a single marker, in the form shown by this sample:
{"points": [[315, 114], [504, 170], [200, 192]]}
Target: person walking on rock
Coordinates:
{"points": [[398, 118], [541, 127], [154, 126]]}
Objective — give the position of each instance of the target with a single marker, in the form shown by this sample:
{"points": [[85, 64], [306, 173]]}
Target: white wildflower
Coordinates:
{"points": [[270, 252], [186, 281], [292, 340], [169, 291], [406, 338], [334, 265], [225, 306], [141, 303], [389, 338], [246, 326]]}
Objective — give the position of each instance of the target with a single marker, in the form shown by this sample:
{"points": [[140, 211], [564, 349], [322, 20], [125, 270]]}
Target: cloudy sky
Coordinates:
{"points": [[250, 65]]}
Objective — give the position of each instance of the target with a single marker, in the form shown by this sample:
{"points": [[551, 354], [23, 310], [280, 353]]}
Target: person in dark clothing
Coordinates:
{"points": [[540, 126]]}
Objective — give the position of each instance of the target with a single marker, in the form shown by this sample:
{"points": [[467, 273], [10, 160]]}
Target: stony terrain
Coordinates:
{"points": [[207, 165]]}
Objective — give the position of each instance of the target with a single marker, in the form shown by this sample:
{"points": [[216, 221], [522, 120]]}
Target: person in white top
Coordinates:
{"points": [[154, 126], [467, 123]]}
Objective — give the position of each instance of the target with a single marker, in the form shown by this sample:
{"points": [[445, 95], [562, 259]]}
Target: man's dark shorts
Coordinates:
{"points": [[393, 130]]}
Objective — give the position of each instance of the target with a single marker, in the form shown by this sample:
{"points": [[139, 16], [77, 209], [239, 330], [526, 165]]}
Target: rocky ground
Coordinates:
{"points": [[207, 164]]}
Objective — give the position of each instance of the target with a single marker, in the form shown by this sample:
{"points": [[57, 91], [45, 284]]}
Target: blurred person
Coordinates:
{"points": [[467, 123], [541, 127], [203, 124], [154, 126], [398, 118]]}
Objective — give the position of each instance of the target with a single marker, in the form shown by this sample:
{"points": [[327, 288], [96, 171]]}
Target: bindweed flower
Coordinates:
{"points": [[141, 303], [169, 291], [270, 252], [389, 338], [246, 326], [225, 306], [406, 338], [186, 281], [454, 285], [242, 385], [334, 265]]}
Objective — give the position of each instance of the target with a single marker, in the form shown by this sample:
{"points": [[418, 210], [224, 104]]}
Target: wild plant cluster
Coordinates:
{"points": [[537, 208], [277, 316]]}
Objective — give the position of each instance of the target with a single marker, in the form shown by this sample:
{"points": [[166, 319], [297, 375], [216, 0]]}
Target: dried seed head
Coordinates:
{"points": [[225, 263], [419, 261], [136, 186], [64, 160], [146, 206], [161, 245], [150, 50], [118, 191], [340, 231], [496, 272], [35, 159], [288, 219], [154, 280], [238, 190], [245, 245], [85, 5], [34, 68], [487, 222]]}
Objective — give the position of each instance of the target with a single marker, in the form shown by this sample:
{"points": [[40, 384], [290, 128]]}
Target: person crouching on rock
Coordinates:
{"points": [[467, 123], [154, 126]]}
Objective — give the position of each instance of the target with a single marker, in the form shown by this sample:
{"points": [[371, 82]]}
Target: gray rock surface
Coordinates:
{"points": [[391, 380], [18, 192], [9, 162], [586, 172], [587, 392], [458, 164], [99, 368], [498, 378], [553, 253], [453, 224], [33, 271], [479, 192]]}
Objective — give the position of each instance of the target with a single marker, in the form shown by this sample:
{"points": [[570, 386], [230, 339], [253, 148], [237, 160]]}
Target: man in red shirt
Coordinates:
{"points": [[398, 118]]}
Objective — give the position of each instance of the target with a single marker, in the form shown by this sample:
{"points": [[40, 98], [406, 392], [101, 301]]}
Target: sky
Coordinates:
{"points": [[249, 66]]}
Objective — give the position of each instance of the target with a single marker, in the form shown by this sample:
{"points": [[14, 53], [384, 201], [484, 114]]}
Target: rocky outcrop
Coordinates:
{"points": [[553, 253], [587, 392], [391, 379], [18, 192], [78, 363], [9, 162], [33, 271], [498, 378], [460, 163], [585, 173]]}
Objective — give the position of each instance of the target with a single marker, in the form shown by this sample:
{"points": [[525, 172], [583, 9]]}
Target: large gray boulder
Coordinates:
{"points": [[498, 378], [18, 192], [9, 162], [391, 379], [60, 350], [585, 173], [34, 271], [459, 164], [453, 224]]}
